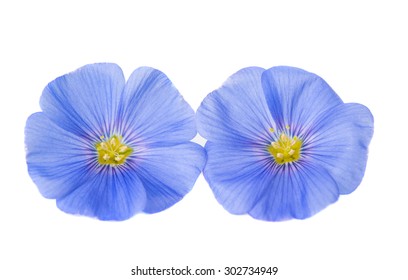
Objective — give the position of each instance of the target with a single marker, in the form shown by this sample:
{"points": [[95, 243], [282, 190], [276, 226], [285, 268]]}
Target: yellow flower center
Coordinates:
{"points": [[112, 151], [285, 149]]}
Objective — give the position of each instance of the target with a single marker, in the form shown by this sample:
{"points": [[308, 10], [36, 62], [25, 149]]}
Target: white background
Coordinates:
{"points": [[358, 47]]}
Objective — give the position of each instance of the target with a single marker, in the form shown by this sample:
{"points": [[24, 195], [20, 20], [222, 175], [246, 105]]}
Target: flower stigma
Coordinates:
{"points": [[112, 151], [285, 149]]}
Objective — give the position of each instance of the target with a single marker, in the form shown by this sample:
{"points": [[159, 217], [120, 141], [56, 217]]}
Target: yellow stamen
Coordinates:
{"points": [[285, 149], [106, 157], [112, 151]]}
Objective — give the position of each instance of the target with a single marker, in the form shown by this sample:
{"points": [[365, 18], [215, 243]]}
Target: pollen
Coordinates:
{"points": [[112, 151], [285, 149]]}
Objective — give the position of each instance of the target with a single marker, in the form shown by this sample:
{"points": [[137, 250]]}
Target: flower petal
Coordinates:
{"points": [[111, 193], [339, 140], [55, 157], [168, 173], [84, 102], [62, 165], [154, 110], [236, 112], [296, 97], [237, 175], [296, 191]]}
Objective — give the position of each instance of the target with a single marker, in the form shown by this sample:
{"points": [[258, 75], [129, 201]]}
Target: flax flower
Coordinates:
{"points": [[106, 148], [281, 143]]}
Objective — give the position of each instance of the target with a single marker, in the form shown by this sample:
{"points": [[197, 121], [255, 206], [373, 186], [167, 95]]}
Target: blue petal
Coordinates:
{"points": [[237, 174], [236, 112], [339, 140], [63, 167], [154, 110], [56, 158], [168, 173], [84, 102], [296, 191], [110, 193], [296, 97]]}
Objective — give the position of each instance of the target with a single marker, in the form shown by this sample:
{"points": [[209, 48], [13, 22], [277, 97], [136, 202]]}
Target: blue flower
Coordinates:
{"points": [[106, 148], [281, 143]]}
